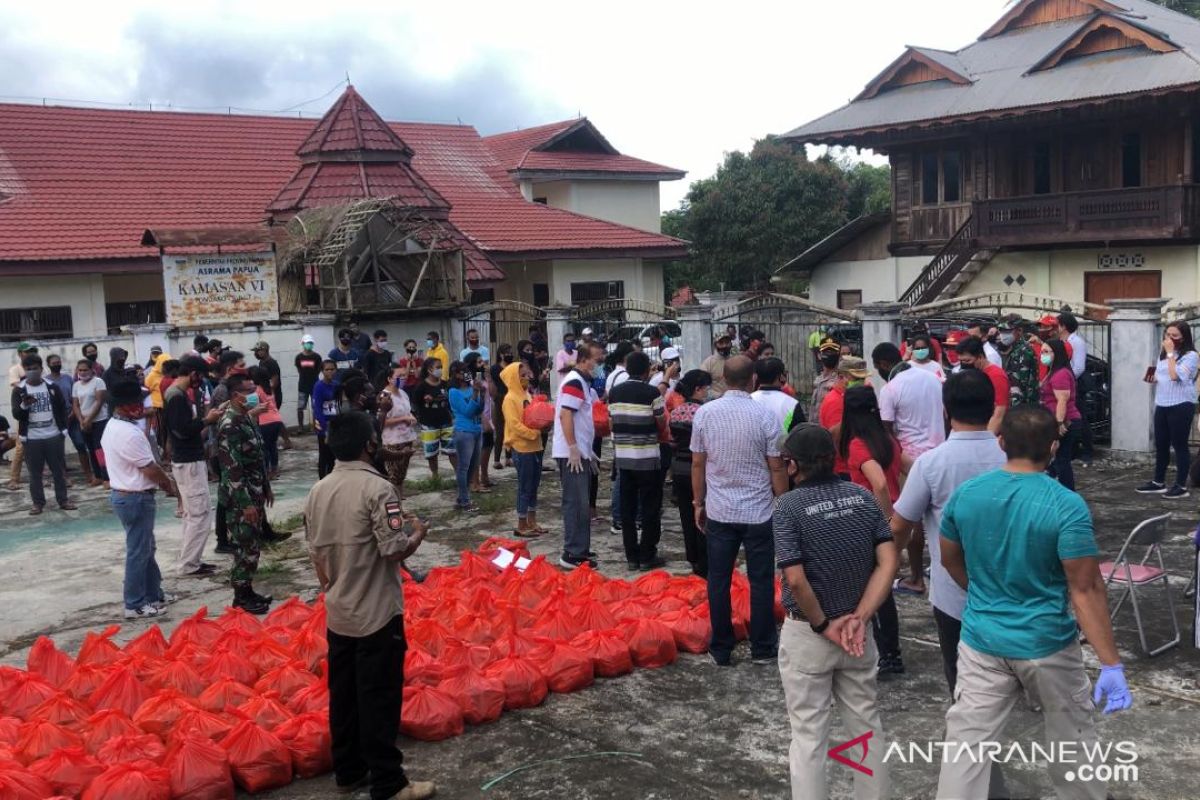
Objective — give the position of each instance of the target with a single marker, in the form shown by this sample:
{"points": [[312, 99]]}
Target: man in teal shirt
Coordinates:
{"points": [[1023, 548]]}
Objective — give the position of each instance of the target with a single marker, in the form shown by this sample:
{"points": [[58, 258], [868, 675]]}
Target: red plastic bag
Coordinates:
{"points": [[557, 624], [608, 650], [208, 724], [474, 628], [430, 634], [308, 739], [514, 644], [160, 712], [105, 725], [149, 642], [177, 676], [632, 608], [567, 668], [68, 770], [39, 739], [199, 770], [422, 668], [494, 543], [84, 681], [121, 690], [237, 641], [48, 661], [25, 693], [538, 413], [651, 643], [286, 680], [258, 759], [128, 749], [581, 580], [653, 583], [18, 783], [238, 619], [196, 629], [310, 647], [131, 781], [594, 616], [601, 420], [612, 591], [98, 649], [10, 730], [266, 654], [145, 667], [524, 685], [692, 632], [224, 694], [429, 714], [291, 613], [481, 698], [692, 589], [226, 664], [266, 710], [312, 698], [62, 709]]}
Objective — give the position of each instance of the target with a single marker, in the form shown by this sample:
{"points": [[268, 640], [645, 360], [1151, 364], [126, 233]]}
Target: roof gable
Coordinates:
{"points": [[352, 126], [1102, 34], [915, 65], [1028, 13], [573, 148], [581, 137]]}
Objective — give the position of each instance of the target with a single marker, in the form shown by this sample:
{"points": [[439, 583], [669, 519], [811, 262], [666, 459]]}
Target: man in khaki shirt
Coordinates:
{"points": [[357, 535]]}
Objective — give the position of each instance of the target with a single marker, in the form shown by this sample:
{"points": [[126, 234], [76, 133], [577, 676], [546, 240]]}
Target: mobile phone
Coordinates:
{"points": [[1149, 376]]}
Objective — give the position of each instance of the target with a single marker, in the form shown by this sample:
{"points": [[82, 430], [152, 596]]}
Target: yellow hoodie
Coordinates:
{"points": [[154, 380], [517, 434]]}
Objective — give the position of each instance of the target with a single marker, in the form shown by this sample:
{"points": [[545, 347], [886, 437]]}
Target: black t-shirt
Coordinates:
{"points": [[376, 362], [431, 404], [308, 366], [272, 368], [501, 389]]}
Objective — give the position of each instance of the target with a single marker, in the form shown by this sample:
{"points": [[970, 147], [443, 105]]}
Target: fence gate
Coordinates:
{"points": [[635, 320], [788, 322], [503, 321]]}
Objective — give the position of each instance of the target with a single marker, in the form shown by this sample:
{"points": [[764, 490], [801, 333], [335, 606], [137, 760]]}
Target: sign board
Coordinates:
{"points": [[214, 289]]}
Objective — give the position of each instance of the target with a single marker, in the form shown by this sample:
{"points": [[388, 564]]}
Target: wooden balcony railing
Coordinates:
{"points": [[938, 273], [1155, 212]]}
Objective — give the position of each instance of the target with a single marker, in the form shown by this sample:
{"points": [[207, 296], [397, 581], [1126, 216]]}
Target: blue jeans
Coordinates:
{"points": [[724, 541], [529, 478], [143, 581], [468, 445]]}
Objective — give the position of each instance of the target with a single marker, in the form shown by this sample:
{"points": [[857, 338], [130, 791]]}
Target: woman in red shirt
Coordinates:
{"points": [[1058, 395]]}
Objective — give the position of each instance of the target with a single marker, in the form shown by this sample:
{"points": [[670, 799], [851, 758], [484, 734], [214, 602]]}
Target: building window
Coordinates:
{"points": [[849, 298], [596, 291], [940, 177], [1131, 160], [50, 322], [929, 179], [118, 314], [1041, 168], [479, 296], [541, 295], [951, 177]]}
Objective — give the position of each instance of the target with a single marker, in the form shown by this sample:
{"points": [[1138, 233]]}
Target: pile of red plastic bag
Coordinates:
{"points": [[239, 700]]}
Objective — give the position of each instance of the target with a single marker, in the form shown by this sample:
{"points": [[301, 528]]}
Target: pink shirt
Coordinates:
{"points": [[1062, 379], [272, 413]]}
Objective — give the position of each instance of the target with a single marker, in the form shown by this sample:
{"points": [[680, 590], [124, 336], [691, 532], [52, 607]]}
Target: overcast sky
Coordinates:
{"points": [[672, 82]]}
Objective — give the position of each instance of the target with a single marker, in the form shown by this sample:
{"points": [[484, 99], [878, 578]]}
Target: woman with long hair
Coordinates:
{"points": [[874, 458], [1174, 380], [466, 401], [694, 387], [1059, 397], [431, 405], [270, 421], [399, 435]]}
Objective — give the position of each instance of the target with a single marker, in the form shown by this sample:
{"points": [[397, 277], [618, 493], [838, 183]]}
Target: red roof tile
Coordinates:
{"points": [[85, 184], [537, 150], [352, 125]]}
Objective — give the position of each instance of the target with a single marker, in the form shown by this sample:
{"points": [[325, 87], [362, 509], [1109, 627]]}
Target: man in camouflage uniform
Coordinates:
{"points": [[1021, 364], [244, 490]]}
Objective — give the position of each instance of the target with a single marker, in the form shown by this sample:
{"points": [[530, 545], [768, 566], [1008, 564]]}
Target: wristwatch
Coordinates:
{"points": [[819, 629]]}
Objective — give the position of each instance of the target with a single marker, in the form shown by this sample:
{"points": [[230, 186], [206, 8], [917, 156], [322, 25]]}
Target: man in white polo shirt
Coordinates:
{"points": [[135, 476]]}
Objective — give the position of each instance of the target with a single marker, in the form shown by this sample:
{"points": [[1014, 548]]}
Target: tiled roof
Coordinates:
{"points": [[85, 183], [351, 125], [526, 151]]}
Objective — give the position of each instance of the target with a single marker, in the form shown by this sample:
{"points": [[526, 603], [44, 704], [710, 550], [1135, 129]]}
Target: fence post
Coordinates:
{"points": [[695, 324], [146, 336], [1135, 345], [880, 323], [558, 322]]}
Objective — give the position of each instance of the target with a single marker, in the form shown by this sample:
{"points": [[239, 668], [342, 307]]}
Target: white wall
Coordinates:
{"points": [[83, 293], [643, 279], [633, 203], [880, 279]]}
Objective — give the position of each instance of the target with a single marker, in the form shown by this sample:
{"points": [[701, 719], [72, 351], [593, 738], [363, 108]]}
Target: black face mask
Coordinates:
{"points": [[345, 341], [411, 350], [91, 357], [830, 361], [55, 369]]}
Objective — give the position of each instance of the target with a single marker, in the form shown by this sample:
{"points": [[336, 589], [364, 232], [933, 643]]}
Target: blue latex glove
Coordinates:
{"points": [[1112, 685]]}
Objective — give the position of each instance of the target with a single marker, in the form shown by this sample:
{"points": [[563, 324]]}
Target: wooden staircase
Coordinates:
{"points": [[955, 265]]}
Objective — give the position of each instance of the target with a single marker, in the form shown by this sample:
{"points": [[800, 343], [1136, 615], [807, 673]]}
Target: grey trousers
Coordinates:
{"points": [[41, 453], [987, 689], [576, 513]]}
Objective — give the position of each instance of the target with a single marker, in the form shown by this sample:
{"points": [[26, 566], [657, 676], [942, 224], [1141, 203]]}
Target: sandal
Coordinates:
{"points": [[482, 490], [540, 531], [528, 533], [899, 586]]}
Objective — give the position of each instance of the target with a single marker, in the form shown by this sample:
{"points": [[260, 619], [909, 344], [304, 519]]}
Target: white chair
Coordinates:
{"points": [[1130, 576]]}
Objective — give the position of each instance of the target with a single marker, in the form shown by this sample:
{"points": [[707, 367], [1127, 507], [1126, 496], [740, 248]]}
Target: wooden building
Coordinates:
{"points": [[1055, 154]]}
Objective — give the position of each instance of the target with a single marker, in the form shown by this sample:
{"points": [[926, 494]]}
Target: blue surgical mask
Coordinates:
{"points": [[569, 347], [252, 400], [429, 343], [1047, 358], [921, 353]]}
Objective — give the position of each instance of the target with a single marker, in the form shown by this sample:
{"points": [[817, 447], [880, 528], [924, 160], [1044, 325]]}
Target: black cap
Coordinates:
{"points": [[806, 443]]}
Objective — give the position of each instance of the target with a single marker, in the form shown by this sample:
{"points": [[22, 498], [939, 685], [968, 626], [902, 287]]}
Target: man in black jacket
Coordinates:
{"points": [[187, 415], [41, 412]]}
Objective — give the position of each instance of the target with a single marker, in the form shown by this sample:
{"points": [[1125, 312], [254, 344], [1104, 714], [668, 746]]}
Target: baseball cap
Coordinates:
{"points": [[262, 345], [829, 345], [1048, 321], [670, 354], [23, 346], [853, 366], [722, 337], [586, 332], [307, 339], [806, 442], [954, 337]]}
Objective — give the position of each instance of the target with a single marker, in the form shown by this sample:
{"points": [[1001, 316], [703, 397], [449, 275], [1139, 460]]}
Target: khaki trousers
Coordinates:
{"points": [[192, 480], [987, 689], [16, 457], [816, 673]]}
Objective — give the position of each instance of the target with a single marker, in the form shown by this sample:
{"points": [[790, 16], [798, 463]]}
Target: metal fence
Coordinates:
{"points": [[640, 321], [502, 321]]}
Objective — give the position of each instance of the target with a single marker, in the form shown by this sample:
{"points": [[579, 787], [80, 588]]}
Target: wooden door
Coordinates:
{"points": [[1100, 287], [1085, 164]]}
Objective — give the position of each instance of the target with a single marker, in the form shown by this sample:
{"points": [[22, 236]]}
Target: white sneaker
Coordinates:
{"points": [[167, 599], [147, 610]]}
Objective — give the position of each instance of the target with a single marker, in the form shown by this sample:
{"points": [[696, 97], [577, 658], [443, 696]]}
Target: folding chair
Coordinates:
{"points": [[1150, 534]]}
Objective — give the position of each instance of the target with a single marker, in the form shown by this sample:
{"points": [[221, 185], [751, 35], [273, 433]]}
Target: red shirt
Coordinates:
{"points": [[402, 364], [830, 416], [999, 379], [860, 454]]}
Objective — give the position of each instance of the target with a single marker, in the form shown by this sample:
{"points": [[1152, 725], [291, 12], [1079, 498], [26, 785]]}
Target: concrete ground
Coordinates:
{"points": [[685, 731]]}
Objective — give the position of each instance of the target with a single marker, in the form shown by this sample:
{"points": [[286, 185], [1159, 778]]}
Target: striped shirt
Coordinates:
{"points": [[577, 395], [636, 409], [831, 528], [737, 435], [1169, 392]]}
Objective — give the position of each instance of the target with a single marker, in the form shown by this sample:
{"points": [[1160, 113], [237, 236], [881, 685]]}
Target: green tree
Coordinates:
{"points": [[764, 207], [1189, 7]]}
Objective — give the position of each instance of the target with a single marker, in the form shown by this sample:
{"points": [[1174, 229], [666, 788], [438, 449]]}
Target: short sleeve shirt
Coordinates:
{"points": [[126, 452], [1000, 384], [737, 435], [575, 394], [859, 454], [308, 368], [1063, 381], [1015, 530], [912, 402], [85, 393]]}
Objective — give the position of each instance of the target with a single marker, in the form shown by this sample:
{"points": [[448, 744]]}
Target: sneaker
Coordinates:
{"points": [[69, 506], [655, 563], [614, 529], [225, 549], [167, 599], [201, 571], [720, 662], [633, 566], [569, 562], [1176, 492], [763, 661], [416, 790], [143, 612], [1151, 487], [891, 665]]}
